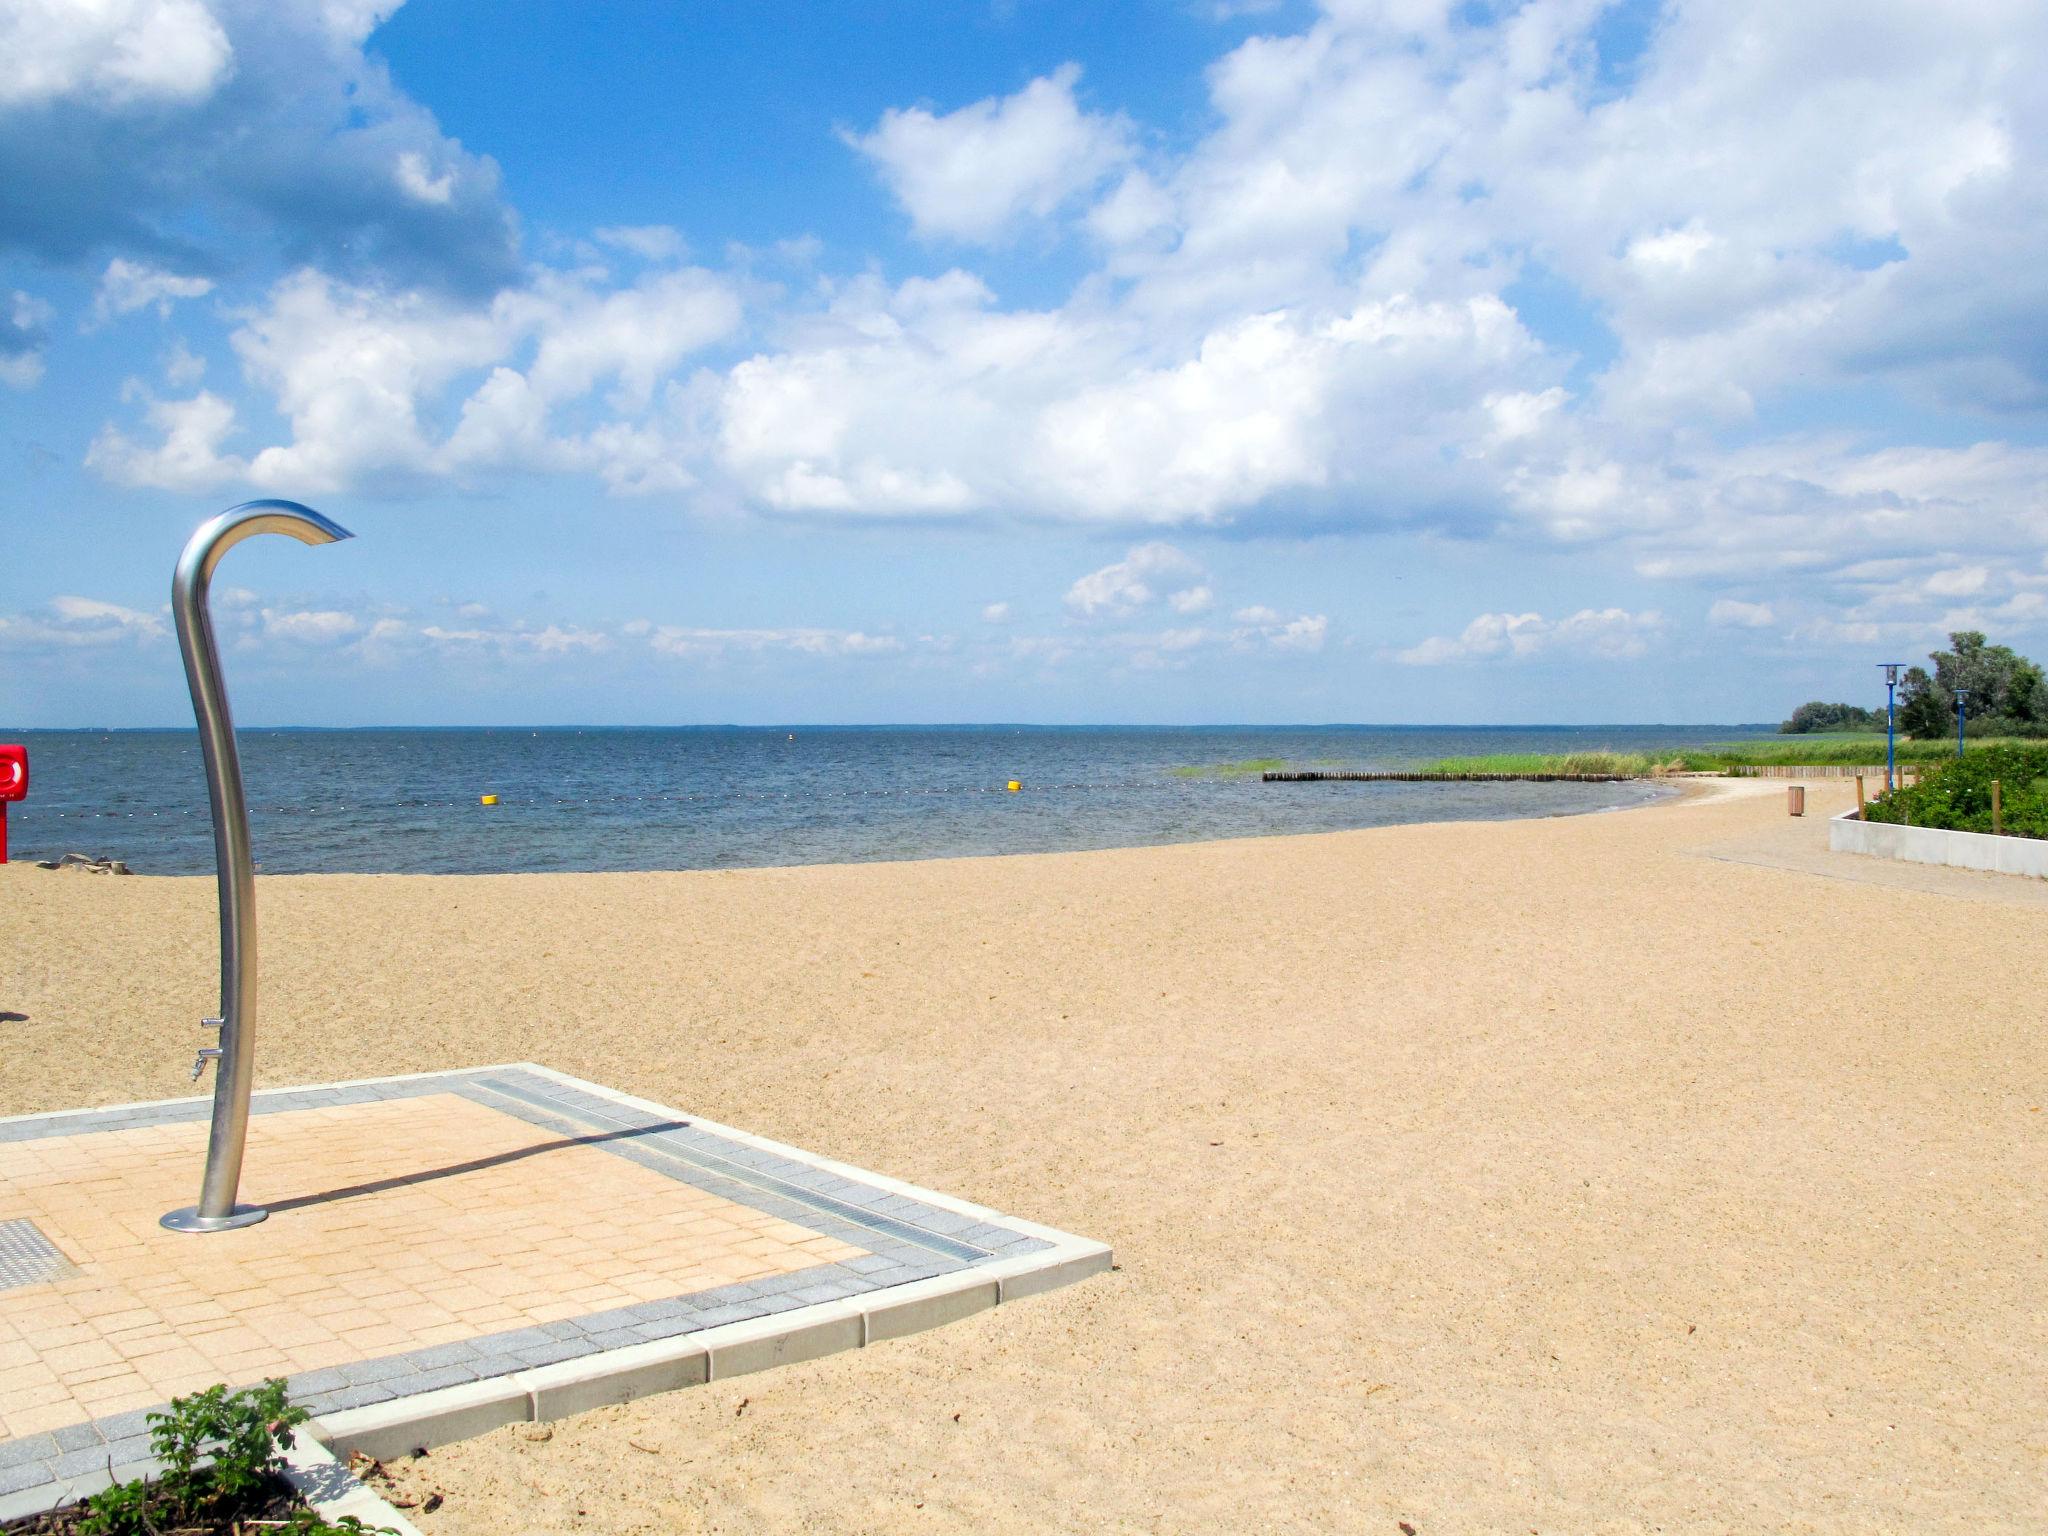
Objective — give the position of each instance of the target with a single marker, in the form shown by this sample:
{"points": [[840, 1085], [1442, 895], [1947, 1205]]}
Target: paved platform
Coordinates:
{"points": [[446, 1253]]}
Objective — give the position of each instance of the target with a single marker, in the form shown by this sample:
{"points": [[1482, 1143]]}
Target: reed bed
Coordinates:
{"points": [[1716, 757]]}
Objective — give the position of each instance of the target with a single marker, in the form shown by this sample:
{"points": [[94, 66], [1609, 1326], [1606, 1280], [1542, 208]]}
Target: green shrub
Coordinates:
{"points": [[2004, 725], [244, 1433], [1956, 796]]}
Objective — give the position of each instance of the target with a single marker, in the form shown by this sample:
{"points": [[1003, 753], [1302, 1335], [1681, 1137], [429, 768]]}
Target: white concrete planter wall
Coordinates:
{"points": [[1933, 845]]}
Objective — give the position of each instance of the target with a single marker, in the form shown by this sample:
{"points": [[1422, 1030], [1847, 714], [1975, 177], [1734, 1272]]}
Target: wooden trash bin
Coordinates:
{"points": [[1795, 800]]}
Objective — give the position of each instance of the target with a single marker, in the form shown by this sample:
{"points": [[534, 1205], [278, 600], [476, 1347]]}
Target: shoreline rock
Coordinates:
{"points": [[90, 865]]}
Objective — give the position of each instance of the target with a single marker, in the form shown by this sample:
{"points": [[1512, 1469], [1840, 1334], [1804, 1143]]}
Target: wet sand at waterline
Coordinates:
{"points": [[1647, 1170]]}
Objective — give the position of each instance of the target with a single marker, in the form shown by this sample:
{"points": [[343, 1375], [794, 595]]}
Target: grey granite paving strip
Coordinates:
{"points": [[20, 1479], [751, 1176], [519, 1349], [37, 1448], [101, 1120], [270, 1101]]}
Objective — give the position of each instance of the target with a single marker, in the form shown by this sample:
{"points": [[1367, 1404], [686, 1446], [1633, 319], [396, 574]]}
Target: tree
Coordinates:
{"points": [[2003, 686], [1819, 716]]}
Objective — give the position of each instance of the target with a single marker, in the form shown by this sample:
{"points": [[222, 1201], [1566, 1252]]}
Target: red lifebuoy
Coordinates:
{"points": [[13, 786]]}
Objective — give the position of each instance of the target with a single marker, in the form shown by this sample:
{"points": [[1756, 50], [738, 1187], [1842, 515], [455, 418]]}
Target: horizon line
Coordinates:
{"points": [[963, 725]]}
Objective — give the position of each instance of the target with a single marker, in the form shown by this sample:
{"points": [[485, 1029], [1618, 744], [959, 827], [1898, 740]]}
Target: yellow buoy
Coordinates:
{"points": [[1013, 786], [490, 799]]}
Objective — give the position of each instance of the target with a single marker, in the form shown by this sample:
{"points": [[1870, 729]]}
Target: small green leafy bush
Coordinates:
{"points": [[1956, 796], [304, 1522], [244, 1433]]}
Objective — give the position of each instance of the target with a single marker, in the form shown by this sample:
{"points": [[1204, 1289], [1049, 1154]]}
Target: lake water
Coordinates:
{"points": [[719, 797]]}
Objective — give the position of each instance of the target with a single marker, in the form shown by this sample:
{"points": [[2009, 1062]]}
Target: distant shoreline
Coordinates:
{"points": [[248, 728]]}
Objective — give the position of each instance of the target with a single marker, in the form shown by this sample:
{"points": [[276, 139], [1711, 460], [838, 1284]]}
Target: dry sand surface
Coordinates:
{"points": [[1644, 1171]]}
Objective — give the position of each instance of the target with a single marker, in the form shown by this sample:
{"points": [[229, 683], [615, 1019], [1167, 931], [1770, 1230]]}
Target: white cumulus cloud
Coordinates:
{"points": [[73, 623], [24, 338], [310, 626], [361, 376], [972, 174], [1729, 613], [127, 286], [187, 455], [1609, 634], [1148, 573], [419, 183], [698, 643], [109, 53]]}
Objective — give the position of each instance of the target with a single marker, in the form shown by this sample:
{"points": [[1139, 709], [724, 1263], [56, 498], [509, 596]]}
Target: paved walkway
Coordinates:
{"points": [[425, 1233]]}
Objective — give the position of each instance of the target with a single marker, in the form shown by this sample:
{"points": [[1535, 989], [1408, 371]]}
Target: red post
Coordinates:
{"points": [[13, 786]]}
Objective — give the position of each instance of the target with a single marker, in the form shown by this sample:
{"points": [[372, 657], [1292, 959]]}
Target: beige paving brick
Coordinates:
{"points": [[116, 1397], [92, 1374], [47, 1337], [20, 1383], [175, 1369], [34, 1418], [39, 1315], [328, 1304], [374, 1339]]}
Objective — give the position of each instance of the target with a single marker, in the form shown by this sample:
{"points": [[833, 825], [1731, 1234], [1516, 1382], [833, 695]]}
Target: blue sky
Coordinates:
{"points": [[1388, 360]]}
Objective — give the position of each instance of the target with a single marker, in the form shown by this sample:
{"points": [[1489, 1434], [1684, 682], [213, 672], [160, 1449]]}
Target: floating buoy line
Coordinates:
{"points": [[503, 801]]}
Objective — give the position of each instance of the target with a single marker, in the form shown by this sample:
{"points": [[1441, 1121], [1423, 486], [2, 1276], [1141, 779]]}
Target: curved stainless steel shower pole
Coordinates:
{"points": [[216, 1210]]}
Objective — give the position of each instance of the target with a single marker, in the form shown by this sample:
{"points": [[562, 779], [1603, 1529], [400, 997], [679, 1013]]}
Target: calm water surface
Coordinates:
{"points": [[718, 797]]}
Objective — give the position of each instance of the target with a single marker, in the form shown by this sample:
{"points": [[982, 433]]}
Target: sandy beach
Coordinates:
{"points": [[1652, 1170]]}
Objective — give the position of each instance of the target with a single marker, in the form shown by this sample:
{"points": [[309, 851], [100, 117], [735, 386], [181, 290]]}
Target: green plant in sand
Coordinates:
{"points": [[244, 1434]]}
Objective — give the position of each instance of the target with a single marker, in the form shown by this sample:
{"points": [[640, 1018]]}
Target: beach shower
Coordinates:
{"points": [[236, 870]]}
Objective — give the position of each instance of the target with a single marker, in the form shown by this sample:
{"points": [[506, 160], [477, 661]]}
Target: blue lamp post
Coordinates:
{"points": [[1962, 708], [1891, 716]]}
